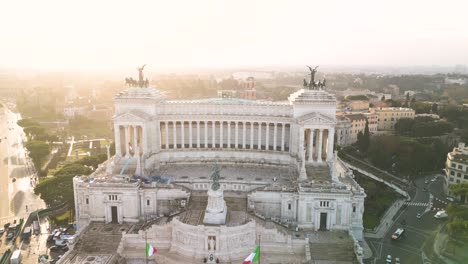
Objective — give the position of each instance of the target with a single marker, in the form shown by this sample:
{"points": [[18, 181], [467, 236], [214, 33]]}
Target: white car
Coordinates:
{"points": [[450, 199], [389, 259], [441, 214], [397, 260]]}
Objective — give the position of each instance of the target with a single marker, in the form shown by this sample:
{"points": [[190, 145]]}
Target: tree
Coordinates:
{"points": [[366, 137], [59, 188], [93, 161], [38, 151], [434, 108]]}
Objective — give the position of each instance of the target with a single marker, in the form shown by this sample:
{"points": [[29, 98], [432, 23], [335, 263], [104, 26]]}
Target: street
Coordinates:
{"points": [[418, 231]]}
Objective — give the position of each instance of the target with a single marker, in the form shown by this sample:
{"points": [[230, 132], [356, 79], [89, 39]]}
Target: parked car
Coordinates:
{"points": [[60, 242], [6, 226], [2, 230], [397, 260], [10, 235], [426, 181], [450, 199], [58, 248]]}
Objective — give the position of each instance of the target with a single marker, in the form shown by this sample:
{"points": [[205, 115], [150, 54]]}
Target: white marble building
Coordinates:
{"points": [[276, 158]]}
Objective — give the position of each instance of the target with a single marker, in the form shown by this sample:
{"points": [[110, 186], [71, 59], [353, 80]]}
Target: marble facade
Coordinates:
{"points": [[278, 156]]}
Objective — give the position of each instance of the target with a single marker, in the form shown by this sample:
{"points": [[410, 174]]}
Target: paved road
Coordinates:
{"points": [[417, 231], [16, 172]]}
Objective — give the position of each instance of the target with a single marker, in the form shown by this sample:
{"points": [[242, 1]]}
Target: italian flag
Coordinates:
{"points": [[253, 257], [150, 250]]}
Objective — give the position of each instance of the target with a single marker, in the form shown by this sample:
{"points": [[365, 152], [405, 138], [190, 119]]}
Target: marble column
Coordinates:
{"points": [[267, 136], [198, 134], [331, 133], [174, 133], [259, 146], [118, 150], [213, 134], [302, 173], [166, 134], [251, 135], [221, 124], [229, 134], [206, 134], [319, 146], [144, 139], [190, 134], [283, 130], [127, 146], [236, 135], [135, 140], [275, 134], [243, 135], [311, 145], [182, 134]]}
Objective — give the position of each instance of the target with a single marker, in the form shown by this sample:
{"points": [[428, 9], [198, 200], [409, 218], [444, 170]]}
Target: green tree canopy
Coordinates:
{"points": [[59, 188], [38, 152]]}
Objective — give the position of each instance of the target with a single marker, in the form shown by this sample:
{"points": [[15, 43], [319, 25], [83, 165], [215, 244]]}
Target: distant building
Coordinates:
{"points": [[393, 90], [456, 167], [373, 120], [248, 90], [410, 93], [343, 130], [72, 111], [433, 116], [358, 105], [459, 81], [388, 116], [358, 123]]}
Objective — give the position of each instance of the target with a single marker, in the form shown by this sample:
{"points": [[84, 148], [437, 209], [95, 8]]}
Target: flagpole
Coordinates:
{"points": [[259, 248], [146, 245], [146, 240]]}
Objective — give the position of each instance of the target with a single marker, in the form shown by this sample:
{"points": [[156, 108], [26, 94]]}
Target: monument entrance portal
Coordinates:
{"points": [[114, 214]]}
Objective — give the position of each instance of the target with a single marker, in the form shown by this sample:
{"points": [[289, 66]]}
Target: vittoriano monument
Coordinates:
{"points": [[216, 209], [142, 82]]}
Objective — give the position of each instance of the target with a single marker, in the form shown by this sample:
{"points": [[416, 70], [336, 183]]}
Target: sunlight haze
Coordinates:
{"points": [[122, 34]]}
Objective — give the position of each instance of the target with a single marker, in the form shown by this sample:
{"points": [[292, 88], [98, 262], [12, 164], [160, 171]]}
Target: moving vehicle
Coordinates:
{"points": [[26, 233], [388, 259], [441, 214], [398, 233], [418, 216], [36, 227], [16, 257], [397, 260]]}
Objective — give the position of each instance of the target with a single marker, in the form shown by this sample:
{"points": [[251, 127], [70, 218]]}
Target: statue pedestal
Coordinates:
{"points": [[216, 210]]}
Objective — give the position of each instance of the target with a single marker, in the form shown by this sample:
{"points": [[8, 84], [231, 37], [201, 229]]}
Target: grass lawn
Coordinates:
{"points": [[379, 198]]}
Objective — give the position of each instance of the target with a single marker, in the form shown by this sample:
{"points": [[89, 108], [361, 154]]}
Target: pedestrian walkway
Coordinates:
{"points": [[416, 204], [386, 221]]}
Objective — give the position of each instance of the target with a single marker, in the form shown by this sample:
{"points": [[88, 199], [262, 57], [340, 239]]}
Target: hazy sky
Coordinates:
{"points": [[101, 34]]}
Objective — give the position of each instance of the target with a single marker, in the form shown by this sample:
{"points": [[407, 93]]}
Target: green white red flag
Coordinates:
{"points": [[253, 257], [150, 250]]}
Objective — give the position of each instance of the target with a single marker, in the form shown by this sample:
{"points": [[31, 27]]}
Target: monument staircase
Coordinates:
{"points": [[333, 246], [195, 208]]}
